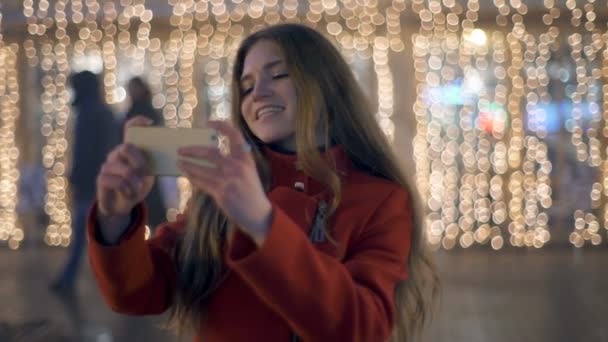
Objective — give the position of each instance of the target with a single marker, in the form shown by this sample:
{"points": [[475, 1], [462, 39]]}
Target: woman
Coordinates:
{"points": [[141, 105], [141, 101], [305, 230]]}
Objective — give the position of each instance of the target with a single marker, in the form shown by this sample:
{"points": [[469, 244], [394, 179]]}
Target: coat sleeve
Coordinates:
{"points": [[322, 298], [135, 276]]}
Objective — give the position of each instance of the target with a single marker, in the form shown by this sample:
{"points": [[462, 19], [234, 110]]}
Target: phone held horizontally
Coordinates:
{"points": [[160, 145]]}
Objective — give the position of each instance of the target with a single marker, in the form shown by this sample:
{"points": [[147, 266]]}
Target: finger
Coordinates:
{"points": [[193, 170], [205, 184], [235, 137], [213, 155], [134, 157], [123, 171], [205, 181], [137, 121], [130, 155], [200, 152], [116, 183]]}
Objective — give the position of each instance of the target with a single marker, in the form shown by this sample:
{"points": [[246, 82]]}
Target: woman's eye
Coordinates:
{"points": [[247, 91]]}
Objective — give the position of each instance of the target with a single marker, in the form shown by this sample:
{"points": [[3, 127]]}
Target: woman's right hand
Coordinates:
{"points": [[122, 182]]}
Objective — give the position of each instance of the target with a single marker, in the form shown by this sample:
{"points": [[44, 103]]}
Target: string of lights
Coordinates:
{"points": [[482, 107], [10, 231], [587, 132], [114, 36], [482, 175]]}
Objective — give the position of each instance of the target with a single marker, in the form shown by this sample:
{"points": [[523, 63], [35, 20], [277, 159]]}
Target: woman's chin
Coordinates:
{"points": [[277, 140], [266, 139], [269, 137]]}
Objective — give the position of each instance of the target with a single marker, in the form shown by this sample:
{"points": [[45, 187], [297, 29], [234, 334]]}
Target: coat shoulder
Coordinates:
{"points": [[370, 188], [366, 196]]}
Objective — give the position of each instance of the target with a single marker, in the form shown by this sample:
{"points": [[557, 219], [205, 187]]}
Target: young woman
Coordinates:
{"points": [[305, 230], [141, 104]]}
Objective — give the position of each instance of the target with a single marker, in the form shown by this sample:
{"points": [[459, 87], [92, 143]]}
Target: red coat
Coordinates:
{"points": [[317, 290]]}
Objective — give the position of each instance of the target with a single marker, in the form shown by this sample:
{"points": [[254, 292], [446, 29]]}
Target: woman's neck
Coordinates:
{"points": [[281, 149], [285, 150]]}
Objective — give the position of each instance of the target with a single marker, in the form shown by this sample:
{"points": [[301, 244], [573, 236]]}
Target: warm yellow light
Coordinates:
{"points": [[9, 154], [477, 37]]}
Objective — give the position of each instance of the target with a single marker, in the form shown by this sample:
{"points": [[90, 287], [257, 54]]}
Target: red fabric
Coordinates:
{"points": [[320, 291]]}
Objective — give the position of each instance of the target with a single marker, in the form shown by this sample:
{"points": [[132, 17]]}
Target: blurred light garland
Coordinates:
{"points": [[115, 38], [483, 178], [10, 231], [586, 44], [55, 102], [481, 158]]}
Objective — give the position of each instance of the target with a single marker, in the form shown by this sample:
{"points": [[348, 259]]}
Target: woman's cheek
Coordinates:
{"points": [[245, 109]]}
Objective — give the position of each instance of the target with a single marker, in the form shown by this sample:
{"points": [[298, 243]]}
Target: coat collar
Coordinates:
{"points": [[285, 170]]}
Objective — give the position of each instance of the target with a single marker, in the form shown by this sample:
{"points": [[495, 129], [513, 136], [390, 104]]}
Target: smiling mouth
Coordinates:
{"points": [[267, 111]]}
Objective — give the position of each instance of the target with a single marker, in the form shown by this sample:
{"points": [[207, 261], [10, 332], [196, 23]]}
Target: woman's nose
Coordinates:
{"points": [[262, 89]]}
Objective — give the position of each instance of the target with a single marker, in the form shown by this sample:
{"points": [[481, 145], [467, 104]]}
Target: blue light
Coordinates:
{"points": [[449, 94]]}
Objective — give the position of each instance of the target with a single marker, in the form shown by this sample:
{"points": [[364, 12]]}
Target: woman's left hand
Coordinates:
{"points": [[232, 181]]}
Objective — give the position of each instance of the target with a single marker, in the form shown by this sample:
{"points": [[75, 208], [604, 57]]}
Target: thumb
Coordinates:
{"points": [[139, 120]]}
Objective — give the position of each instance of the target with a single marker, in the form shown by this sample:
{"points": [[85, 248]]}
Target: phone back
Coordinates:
{"points": [[160, 145]]}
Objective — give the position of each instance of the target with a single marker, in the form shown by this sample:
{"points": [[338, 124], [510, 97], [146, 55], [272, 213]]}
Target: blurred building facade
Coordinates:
{"points": [[501, 102]]}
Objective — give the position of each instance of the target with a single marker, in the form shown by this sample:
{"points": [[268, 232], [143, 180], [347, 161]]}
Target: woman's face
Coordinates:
{"points": [[268, 96]]}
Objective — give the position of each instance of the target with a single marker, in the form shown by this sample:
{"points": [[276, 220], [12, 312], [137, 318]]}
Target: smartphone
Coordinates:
{"points": [[160, 145]]}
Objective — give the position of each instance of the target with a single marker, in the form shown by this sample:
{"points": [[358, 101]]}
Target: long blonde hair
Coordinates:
{"points": [[321, 77]]}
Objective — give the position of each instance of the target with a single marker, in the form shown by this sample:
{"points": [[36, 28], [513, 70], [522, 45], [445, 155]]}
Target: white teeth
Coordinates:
{"points": [[268, 110]]}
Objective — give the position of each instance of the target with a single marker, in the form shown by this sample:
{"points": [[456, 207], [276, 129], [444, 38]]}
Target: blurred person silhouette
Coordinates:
{"points": [[141, 105], [96, 132], [141, 101]]}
